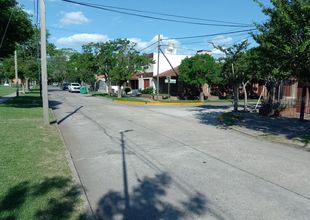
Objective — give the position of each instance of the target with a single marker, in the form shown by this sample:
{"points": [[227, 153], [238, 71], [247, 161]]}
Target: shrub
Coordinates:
{"points": [[127, 89], [271, 109], [149, 91]]}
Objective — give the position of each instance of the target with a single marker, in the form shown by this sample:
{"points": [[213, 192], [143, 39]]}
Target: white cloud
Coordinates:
{"points": [[217, 53], [220, 40], [76, 17], [143, 44], [80, 39], [29, 12]]}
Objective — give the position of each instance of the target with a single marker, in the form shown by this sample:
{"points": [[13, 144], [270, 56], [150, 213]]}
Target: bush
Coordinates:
{"points": [[127, 89], [271, 109], [149, 91]]}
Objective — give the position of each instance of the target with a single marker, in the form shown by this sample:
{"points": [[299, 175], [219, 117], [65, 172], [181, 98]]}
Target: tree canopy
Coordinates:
{"points": [[284, 39], [198, 70], [15, 26]]}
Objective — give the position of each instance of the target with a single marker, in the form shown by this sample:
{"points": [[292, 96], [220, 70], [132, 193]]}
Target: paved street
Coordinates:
{"points": [[174, 162]]}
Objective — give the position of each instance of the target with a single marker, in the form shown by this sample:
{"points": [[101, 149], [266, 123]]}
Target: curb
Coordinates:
{"points": [[76, 177], [157, 103]]}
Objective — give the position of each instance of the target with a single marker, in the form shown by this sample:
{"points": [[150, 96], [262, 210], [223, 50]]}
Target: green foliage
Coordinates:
{"points": [[19, 30], [127, 60], [199, 69], [149, 90], [284, 39], [235, 57]]}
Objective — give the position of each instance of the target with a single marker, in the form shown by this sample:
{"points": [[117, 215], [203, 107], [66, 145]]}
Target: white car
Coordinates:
{"points": [[74, 87]]}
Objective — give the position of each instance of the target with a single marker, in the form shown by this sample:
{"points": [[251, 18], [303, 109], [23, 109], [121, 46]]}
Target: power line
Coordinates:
{"points": [[148, 46], [205, 41], [151, 17], [209, 35], [171, 15]]}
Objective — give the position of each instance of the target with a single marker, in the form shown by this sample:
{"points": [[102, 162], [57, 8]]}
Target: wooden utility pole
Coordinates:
{"points": [[16, 73], [158, 51], [43, 63]]}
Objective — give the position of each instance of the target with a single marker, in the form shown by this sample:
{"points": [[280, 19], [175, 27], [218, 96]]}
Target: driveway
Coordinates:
{"points": [[174, 162]]}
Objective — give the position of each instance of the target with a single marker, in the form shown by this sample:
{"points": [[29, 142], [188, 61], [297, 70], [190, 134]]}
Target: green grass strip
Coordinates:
{"points": [[36, 182], [6, 90]]}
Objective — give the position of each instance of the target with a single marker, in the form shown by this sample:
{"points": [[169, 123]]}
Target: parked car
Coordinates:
{"points": [[74, 87], [65, 86]]}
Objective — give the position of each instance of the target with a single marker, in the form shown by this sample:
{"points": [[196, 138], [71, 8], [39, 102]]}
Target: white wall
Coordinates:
{"points": [[174, 59]]}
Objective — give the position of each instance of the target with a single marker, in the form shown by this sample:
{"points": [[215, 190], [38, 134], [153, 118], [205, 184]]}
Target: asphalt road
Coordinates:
{"points": [[174, 162]]}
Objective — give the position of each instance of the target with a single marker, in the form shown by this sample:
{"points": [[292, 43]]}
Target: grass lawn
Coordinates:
{"points": [[36, 182], [6, 90]]}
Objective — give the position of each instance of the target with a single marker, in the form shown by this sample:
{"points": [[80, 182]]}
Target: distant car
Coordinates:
{"points": [[74, 87], [55, 84], [6, 84], [65, 86]]}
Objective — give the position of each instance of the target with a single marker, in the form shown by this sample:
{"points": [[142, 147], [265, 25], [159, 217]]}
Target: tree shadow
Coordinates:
{"points": [[291, 128], [23, 102], [147, 200], [60, 205], [209, 114]]}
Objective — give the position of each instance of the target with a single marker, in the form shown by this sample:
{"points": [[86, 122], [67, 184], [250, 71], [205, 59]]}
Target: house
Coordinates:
{"points": [[291, 94], [149, 77]]}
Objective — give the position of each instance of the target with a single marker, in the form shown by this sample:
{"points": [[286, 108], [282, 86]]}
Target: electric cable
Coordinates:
{"points": [[171, 15], [150, 17]]}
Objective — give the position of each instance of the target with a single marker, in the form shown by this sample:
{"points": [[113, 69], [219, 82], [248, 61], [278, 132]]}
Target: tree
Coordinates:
{"points": [[81, 66], [199, 70], [127, 61], [232, 72], [104, 55], [15, 26], [285, 39]]}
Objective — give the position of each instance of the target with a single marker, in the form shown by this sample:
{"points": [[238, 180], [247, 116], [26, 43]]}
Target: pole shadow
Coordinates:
{"points": [[147, 199]]}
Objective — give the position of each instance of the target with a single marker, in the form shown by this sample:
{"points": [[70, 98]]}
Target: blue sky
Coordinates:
{"points": [[72, 25]]}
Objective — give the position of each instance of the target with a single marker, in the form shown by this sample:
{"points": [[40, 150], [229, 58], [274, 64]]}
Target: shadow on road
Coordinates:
{"points": [[70, 114], [209, 114], [291, 128], [147, 199], [253, 123]]}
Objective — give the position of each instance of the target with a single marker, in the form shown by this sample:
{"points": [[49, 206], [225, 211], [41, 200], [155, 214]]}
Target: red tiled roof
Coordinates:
{"points": [[170, 72], [136, 76]]}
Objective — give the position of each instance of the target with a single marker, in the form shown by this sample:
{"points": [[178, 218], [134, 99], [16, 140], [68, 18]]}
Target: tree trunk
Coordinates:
{"points": [[27, 85], [119, 92], [303, 103], [245, 95], [201, 95], [109, 87], [235, 97]]}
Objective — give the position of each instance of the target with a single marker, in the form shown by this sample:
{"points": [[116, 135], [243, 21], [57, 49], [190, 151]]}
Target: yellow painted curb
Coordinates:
{"points": [[158, 103]]}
